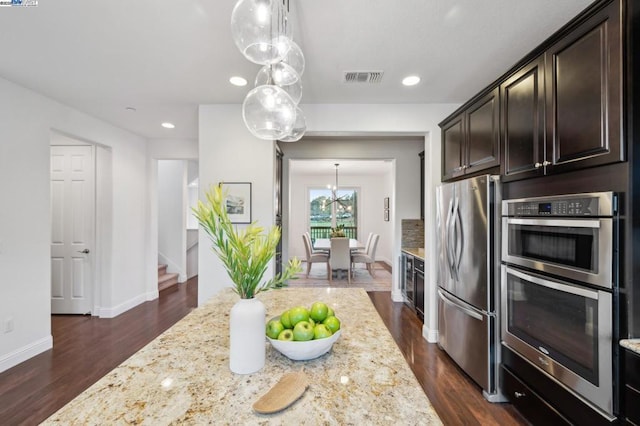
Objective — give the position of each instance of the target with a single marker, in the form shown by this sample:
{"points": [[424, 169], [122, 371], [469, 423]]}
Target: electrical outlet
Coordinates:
{"points": [[8, 325]]}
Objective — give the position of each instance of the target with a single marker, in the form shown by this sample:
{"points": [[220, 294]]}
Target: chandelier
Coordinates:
{"points": [[335, 198], [261, 31]]}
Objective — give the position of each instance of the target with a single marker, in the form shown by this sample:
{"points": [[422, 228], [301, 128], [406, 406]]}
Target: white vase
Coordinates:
{"points": [[247, 336]]}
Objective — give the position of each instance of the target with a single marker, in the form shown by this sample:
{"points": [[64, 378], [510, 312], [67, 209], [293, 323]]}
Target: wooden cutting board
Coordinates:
{"points": [[284, 393]]}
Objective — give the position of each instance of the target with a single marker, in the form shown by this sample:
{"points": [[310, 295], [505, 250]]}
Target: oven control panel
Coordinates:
{"points": [[599, 204]]}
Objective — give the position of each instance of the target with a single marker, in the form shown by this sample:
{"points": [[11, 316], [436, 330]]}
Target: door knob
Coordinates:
{"points": [[85, 251]]}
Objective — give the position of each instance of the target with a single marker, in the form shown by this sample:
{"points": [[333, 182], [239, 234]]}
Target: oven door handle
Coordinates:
{"points": [[590, 294], [457, 305], [573, 223]]}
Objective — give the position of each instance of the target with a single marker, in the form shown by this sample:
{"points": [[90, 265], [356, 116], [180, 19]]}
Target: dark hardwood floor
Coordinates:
{"points": [[86, 348], [456, 398]]}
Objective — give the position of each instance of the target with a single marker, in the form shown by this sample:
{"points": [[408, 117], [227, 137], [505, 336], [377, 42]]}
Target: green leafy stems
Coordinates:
{"points": [[245, 253], [338, 231]]}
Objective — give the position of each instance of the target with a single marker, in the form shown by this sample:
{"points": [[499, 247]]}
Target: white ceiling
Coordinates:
{"points": [[166, 57]]}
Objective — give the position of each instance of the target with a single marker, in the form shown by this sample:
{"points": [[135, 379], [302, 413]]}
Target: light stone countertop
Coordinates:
{"points": [[183, 376], [632, 344], [416, 252]]}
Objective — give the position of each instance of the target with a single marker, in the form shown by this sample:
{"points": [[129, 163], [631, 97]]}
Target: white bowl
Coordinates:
{"points": [[302, 351]]}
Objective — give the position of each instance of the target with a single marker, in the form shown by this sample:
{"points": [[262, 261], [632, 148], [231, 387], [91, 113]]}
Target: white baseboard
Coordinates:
{"points": [[432, 336], [396, 296], [24, 353], [152, 295], [113, 312]]}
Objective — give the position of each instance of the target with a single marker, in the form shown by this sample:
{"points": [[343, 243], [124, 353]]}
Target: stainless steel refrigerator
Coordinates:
{"points": [[467, 243]]}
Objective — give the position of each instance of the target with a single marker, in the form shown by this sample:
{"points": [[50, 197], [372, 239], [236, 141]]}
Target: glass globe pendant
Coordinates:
{"points": [[259, 29], [269, 112], [294, 58], [299, 127], [282, 75]]}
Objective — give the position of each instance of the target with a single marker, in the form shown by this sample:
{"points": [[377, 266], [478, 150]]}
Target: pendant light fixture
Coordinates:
{"points": [[334, 191], [261, 31]]}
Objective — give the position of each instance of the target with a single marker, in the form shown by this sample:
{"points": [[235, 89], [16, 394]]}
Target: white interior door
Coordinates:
{"points": [[72, 228]]}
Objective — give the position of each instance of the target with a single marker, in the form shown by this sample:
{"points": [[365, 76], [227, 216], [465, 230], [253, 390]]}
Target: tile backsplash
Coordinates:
{"points": [[412, 233]]}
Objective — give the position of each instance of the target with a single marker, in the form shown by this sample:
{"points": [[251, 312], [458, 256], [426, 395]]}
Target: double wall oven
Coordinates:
{"points": [[557, 286]]}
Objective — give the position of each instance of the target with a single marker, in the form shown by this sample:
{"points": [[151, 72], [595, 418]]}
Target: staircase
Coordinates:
{"points": [[166, 279]]}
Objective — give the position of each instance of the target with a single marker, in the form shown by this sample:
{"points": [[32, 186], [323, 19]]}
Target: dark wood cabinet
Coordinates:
{"points": [[584, 94], [631, 392], [452, 147], [560, 109], [418, 279], [523, 132], [529, 403], [421, 155], [471, 139]]}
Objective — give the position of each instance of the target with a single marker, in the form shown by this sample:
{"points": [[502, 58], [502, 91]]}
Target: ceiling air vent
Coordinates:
{"points": [[363, 76]]}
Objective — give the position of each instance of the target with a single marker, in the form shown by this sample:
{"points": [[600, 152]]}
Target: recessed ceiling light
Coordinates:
{"points": [[168, 125], [238, 81], [132, 109], [411, 80]]}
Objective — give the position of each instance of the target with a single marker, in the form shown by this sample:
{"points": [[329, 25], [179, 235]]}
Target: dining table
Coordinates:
{"points": [[325, 244]]}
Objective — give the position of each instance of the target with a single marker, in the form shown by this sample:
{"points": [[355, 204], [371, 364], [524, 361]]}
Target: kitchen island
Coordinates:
{"points": [[183, 375]]}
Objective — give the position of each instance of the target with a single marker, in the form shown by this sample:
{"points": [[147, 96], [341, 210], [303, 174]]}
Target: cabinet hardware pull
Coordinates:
{"points": [[543, 361], [537, 165], [519, 394], [546, 163]]}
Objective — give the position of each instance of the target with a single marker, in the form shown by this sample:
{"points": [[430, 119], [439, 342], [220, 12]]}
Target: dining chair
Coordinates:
{"points": [[340, 257], [317, 257], [314, 250], [368, 258], [366, 246]]}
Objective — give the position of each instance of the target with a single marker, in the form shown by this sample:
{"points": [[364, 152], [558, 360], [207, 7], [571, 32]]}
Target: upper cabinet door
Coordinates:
{"points": [[584, 94], [453, 148], [522, 106], [483, 133], [471, 139]]}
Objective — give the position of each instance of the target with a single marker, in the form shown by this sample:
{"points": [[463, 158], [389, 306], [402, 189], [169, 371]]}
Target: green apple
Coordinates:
{"points": [[312, 322], [319, 311], [320, 331], [332, 323], [284, 319], [297, 314], [274, 327], [286, 334], [330, 312], [302, 331]]}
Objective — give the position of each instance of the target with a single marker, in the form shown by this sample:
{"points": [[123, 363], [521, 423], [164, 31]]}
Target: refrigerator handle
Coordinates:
{"points": [[447, 240], [453, 235], [459, 239], [464, 309]]}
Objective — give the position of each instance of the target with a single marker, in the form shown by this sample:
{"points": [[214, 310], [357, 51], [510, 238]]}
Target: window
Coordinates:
{"points": [[321, 208]]}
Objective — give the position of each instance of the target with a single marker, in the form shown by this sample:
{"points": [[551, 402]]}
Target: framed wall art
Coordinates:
{"points": [[238, 201]]}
